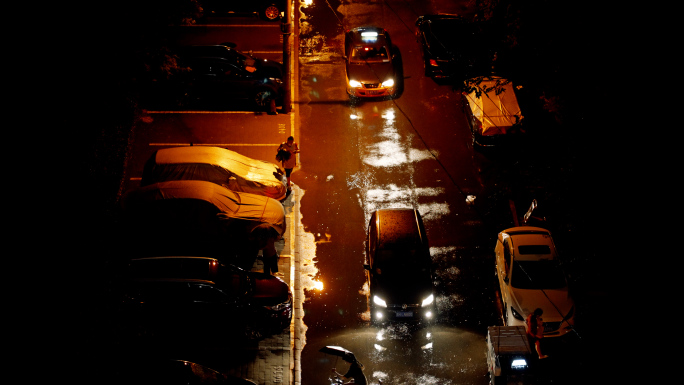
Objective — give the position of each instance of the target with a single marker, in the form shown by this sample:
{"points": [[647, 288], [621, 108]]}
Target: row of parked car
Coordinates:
{"points": [[199, 220]]}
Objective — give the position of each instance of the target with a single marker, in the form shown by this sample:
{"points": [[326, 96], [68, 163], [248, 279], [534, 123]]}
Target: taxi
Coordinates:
{"points": [[369, 62]]}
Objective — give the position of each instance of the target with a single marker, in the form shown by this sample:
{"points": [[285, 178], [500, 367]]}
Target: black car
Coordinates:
{"points": [[454, 47], [399, 268], [201, 292], [157, 371], [221, 73], [370, 63], [229, 52], [268, 9]]}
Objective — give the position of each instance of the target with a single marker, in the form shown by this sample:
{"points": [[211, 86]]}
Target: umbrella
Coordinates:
{"points": [[339, 351]]}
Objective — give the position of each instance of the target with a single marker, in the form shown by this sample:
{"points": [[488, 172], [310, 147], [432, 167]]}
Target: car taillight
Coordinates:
{"points": [[433, 62]]}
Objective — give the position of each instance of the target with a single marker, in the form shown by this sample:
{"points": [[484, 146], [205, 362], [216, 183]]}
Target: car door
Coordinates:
{"points": [[235, 83], [216, 78]]}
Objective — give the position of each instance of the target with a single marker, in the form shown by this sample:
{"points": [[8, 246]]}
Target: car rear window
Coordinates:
{"points": [[534, 249]]}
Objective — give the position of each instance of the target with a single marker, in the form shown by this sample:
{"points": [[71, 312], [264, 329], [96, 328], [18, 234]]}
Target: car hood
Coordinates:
{"points": [[555, 303], [370, 73], [268, 66]]}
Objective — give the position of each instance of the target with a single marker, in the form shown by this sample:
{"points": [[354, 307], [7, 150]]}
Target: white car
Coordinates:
{"points": [[530, 277]]}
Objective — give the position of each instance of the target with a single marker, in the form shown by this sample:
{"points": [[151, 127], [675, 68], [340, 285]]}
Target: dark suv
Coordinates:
{"points": [[196, 291], [221, 73], [454, 47], [399, 268]]}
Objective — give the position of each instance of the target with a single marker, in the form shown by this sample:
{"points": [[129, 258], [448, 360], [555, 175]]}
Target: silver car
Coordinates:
{"points": [[530, 277]]}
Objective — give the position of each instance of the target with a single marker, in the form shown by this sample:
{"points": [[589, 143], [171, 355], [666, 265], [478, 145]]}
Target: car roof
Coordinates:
{"points": [[398, 227], [359, 35]]}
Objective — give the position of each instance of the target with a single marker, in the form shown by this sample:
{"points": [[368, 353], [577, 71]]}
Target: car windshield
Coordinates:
{"points": [[544, 274], [369, 54], [400, 262]]}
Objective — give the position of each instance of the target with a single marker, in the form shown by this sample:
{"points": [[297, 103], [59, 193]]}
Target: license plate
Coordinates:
{"points": [[404, 314], [373, 92]]}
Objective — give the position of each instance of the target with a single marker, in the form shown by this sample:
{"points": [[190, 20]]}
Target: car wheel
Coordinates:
{"points": [[263, 98], [271, 12]]}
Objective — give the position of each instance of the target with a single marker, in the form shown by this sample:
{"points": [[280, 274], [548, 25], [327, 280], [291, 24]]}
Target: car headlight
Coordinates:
{"points": [[354, 83], [519, 363], [388, 83], [427, 301], [379, 301]]}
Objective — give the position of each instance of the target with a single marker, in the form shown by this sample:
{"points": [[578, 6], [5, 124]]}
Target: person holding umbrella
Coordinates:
{"points": [[355, 373]]}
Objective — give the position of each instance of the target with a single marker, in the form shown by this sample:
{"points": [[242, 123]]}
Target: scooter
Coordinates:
{"points": [[347, 355]]}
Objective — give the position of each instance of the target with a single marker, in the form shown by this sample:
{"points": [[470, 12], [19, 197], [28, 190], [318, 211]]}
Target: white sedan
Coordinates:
{"points": [[530, 277]]}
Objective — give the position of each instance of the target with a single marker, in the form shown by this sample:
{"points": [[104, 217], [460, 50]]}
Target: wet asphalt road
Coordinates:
{"points": [[411, 151]]}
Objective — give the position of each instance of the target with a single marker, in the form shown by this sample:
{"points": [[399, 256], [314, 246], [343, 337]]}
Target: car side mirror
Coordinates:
{"points": [[366, 266]]}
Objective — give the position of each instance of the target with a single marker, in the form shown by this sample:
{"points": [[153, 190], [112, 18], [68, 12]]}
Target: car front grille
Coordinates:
{"points": [[371, 85]]}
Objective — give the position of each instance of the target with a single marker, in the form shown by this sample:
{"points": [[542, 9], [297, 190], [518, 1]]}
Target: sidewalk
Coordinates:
{"points": [[275, 361], [277, 358]]}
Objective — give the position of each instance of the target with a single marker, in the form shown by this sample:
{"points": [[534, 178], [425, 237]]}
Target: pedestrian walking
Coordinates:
{"points": [[289, 162], [535, 330]]}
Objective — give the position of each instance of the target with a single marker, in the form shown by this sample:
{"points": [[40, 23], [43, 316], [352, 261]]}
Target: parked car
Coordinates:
{"points": [[493, 112], [399, 267], [169, 288], [370, 62], [220, 74], [197, 217], [157, 371], [454, 47], [268, 9], [530, 277], [229, 52], [227, 168]]}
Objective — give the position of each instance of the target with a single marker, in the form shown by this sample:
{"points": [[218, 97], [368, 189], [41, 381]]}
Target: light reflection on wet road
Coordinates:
{"points": [[387, 175], [358, 157]]}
